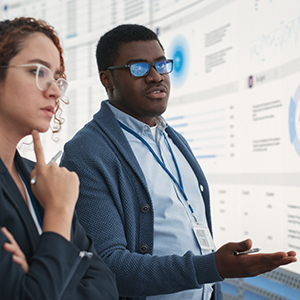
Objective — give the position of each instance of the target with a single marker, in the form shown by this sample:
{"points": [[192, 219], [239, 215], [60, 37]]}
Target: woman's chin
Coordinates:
{"points": [[42, 129]]}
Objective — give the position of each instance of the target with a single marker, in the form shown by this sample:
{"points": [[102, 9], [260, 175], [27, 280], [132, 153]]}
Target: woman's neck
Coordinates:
{"points": [[7, 150]]}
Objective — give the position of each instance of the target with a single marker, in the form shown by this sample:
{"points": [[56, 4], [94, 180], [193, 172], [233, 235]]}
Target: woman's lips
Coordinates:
{"points": [[49, 110]]}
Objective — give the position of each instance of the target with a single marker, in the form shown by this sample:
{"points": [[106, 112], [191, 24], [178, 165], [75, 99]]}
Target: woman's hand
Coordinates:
{"points": [[13, 247], [57, 190]]}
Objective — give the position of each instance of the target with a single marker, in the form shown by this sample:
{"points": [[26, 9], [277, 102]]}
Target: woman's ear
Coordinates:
{"points": [[106, 80]]}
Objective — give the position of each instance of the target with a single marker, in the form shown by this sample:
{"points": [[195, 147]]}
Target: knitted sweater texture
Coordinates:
{"points": [[115, 208]]}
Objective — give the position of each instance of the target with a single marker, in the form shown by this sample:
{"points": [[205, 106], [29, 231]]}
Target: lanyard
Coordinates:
{"points": [[31, 197], [179, 184]]}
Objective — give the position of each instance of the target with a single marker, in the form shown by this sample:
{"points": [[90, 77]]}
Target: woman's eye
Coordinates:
{"points": [[33, 71], [41, 73]]}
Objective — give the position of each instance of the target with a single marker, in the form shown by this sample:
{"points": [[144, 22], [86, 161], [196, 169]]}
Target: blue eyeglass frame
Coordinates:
{"points": [[151, 64]]}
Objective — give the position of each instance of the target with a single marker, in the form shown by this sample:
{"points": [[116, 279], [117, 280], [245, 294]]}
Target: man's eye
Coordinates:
{"points": [[161, 65], [137, 67]]}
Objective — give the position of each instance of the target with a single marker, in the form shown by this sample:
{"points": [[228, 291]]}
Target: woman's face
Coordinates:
{"points": [[23, 106]]}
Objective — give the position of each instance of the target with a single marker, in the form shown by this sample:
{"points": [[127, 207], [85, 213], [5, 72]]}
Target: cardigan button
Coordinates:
{"points": [[144, 249], [145, 208]]}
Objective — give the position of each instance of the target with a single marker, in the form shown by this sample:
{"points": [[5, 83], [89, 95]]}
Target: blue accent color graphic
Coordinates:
{"points": [[206, 156], [178, 61], [292, 115], [252, 296], [271, 286], [175, 118], [180, 125], [292, 121], [229, 288], [71, 36], [179, 53]]}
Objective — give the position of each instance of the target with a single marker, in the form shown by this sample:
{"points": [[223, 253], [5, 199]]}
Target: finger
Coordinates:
{"points": [[13, 244], [21, 262], [248, 244], [274, 260], [17, 259], [8, 235], [38, 148], [9, 247], [14, 249], [243, 245], [291, 253], [290, 259]]}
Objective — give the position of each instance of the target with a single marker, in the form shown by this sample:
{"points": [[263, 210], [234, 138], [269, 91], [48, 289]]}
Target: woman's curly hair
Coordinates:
{"points": [[12, 36]]}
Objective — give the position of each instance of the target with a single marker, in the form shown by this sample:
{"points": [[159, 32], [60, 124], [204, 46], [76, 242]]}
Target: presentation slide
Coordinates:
{"points": [[235, 97]]}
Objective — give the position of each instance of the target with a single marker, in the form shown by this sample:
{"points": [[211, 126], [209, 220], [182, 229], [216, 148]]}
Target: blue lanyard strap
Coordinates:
{"points": [[179, 184], [31, 197]]}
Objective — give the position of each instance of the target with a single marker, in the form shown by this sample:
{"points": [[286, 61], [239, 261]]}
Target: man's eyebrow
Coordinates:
{"points": [[131, 61]]}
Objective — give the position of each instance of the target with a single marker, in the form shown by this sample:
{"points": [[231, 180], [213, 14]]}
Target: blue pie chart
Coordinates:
{"points": [[294, 138]]}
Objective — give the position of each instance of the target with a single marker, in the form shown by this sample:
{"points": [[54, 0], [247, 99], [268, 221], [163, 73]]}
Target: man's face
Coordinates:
{"points": [[143, 98]]}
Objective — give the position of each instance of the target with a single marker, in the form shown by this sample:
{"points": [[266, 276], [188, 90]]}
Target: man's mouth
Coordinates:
{"points": [[157, 92]]}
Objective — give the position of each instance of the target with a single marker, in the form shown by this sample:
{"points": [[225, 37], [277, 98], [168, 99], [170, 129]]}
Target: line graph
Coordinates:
{"points": [[280, 41]]}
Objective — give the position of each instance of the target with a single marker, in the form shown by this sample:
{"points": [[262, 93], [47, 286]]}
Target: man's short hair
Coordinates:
{"points": [[108, 46]]}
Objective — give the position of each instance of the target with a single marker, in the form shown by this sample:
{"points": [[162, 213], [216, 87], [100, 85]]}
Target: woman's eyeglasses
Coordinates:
{"points": [[44, 78]]}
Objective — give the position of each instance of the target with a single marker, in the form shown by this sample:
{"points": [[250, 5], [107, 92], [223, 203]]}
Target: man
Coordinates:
{"points": [[143, 196]]}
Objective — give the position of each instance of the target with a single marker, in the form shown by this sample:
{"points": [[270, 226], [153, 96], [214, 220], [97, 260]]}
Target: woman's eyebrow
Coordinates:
{"points": [[44, 63]]}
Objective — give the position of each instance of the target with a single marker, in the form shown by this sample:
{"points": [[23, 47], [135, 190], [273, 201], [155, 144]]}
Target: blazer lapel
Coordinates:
{"points": [[13, 195]]}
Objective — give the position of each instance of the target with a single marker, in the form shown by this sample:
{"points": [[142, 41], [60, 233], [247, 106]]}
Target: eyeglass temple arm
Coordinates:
{"points": [[118, 67]]}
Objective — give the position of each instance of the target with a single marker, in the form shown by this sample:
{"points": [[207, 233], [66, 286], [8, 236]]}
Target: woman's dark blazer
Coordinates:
{"points": [[58, 269]]}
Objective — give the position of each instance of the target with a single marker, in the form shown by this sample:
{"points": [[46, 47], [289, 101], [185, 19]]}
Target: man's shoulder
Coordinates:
{"points": [[87, 133], [97, 136], [85, 138]]}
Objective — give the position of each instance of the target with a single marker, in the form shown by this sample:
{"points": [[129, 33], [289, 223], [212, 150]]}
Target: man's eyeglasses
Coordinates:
{"points": [[44, 77], [142, 69]]}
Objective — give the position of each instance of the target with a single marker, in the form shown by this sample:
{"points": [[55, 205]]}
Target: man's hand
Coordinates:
{"points": [[13, 247], [249, 265]]}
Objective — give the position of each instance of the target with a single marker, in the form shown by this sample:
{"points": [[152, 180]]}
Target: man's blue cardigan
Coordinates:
{"points": [[115, 208]]}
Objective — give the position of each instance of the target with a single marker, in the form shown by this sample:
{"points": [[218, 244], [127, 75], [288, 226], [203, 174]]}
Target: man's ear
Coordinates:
{"points": [[106, 80]]}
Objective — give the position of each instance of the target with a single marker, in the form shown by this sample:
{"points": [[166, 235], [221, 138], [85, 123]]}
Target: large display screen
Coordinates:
{"points": [[235, 97]]}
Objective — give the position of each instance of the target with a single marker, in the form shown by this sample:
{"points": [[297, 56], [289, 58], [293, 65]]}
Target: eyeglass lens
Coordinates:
{"points": [[142, 68], [44, 78]]}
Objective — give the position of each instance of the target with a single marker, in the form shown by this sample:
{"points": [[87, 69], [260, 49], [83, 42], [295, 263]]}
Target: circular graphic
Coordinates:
{"points": [[294, 120], [179, 53]]}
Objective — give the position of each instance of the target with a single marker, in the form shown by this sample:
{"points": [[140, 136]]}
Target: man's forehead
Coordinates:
{"points": [[140, 51]]}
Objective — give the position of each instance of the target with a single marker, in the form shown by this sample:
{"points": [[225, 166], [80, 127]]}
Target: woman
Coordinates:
{"points": [[44, 252]]}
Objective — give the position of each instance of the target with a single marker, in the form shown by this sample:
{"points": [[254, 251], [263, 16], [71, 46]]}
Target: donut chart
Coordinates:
{"points": [[294, 120]]}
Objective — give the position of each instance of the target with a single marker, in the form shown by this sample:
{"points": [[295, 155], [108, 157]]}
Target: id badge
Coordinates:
{"points": [[204, 237]]}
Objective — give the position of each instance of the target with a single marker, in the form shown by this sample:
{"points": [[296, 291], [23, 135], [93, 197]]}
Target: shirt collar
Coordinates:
{"points": [[136, 125]]}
